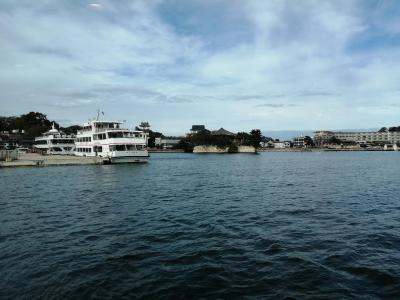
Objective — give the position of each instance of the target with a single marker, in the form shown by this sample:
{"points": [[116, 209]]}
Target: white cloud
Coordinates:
{"points": [[296, 59], [95, 6]]}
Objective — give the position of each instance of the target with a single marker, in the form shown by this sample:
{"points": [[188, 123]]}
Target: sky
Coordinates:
{"points": [[273, 65]]}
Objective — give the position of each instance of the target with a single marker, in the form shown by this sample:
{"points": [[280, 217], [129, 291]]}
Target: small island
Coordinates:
{"points": [[202, 140]]}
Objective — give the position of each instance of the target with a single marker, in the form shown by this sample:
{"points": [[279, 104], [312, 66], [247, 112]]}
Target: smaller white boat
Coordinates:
{"points": [[55, 142]]}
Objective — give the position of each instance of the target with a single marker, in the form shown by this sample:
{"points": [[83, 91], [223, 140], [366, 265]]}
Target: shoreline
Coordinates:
{"points": [[166, 150], [37, 160], [323, 150]]}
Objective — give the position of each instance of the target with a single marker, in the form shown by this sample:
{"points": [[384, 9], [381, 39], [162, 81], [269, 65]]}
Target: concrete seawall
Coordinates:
{"points": [[246, 149]]}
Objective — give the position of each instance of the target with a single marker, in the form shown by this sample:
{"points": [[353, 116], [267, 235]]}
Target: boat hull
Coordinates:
{"points": [[128, 159]]}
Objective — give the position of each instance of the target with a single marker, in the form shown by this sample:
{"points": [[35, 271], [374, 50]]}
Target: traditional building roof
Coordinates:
{"points": [[198, 127], [222, 131]]}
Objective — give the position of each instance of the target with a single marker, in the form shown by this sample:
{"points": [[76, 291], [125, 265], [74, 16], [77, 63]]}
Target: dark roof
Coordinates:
{"points": [[198, 127], [222, 131]]}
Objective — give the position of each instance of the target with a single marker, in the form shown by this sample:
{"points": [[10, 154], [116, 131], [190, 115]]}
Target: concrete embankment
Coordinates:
{"points": [[37, 160]]}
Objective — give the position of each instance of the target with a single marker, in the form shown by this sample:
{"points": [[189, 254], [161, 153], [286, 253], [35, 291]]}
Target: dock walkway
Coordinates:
{"points": [[37, 160]]}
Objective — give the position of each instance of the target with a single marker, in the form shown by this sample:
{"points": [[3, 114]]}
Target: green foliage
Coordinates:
{"points": [[244, 138], [185, 145], [33, 123], [390, 129], [205, 138], [152, 135], [334, 140], [71, 129], [394, 129], [233, 148], [256, 138]]}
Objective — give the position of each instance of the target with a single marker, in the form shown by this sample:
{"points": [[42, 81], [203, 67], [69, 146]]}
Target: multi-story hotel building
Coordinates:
{"points": [[377, 137]]}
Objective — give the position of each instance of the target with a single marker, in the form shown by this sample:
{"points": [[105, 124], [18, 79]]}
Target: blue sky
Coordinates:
{"points": [[240, 65]]}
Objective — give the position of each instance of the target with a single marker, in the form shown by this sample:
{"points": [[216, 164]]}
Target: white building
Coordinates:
{"points": [[378, 137], [166, 143], [282, 145]]}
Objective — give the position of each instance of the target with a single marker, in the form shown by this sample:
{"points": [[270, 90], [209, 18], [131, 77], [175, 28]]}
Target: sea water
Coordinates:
{"points": [[273, 225]]}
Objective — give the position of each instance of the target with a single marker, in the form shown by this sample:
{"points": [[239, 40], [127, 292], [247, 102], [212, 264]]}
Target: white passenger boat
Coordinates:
{"points": [[55, 142], [108, 140]]}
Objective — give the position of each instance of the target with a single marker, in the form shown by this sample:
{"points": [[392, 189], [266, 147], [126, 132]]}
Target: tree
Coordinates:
{"points": [[144, 126], [185, 145], [244, 138], [255, 138], [71, 129], [394, 129], [152, 135], [334, 140]]}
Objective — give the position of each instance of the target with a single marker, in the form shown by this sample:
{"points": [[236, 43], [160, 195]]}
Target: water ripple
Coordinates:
{"points": [[274, 225]]}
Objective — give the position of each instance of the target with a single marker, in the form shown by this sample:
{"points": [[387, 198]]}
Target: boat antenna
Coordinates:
{"points": [[98, 114]]}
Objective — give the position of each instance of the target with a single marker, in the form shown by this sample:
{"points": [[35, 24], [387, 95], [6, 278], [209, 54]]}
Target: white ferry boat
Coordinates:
{"points": [[55, 142], [108, 140]]}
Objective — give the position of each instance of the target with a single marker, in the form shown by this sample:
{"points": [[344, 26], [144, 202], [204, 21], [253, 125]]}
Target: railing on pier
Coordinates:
{"points": [[8, 155]]}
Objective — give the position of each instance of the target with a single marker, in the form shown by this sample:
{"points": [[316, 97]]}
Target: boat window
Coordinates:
{"points": [[84, 139], [113, 135], [122, 148]]}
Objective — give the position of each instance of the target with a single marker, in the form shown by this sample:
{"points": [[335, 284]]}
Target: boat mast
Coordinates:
{"points": [[98, 114]]}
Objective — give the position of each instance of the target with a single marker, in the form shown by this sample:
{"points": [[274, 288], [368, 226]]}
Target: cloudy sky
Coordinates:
{"points": [[237, 64]]}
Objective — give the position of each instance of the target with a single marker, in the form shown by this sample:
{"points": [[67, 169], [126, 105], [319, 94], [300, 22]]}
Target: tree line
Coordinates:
{"points": [[33, 124]]}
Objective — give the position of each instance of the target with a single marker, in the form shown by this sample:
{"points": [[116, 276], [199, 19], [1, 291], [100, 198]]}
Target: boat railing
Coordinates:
{"points": [[110, 129]]}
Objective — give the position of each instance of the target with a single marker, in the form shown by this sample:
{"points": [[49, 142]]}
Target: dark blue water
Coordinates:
{"points": [[274, 225]]}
